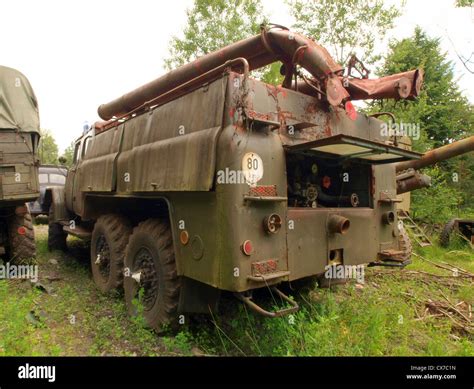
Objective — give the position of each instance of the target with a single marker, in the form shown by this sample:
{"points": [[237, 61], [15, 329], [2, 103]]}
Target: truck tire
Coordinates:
{"points": [[56, 235], [150, 267], [404, 243], [109, 240], [445, 236], [21, 236]]}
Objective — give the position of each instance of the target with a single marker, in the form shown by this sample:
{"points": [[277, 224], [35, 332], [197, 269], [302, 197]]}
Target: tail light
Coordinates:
{"points": [[247, 247]]}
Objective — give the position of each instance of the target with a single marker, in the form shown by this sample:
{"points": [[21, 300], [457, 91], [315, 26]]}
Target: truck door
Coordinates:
{"points": [[71, 176], [78, 187]]}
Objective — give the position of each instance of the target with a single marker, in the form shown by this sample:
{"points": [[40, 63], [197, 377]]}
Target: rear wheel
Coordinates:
{"points": [[151, 282], [109, 239], [448, 230], [21, 238]]}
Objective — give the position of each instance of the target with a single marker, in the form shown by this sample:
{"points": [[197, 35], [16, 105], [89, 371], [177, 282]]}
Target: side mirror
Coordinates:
{"points": [[62, 160]]}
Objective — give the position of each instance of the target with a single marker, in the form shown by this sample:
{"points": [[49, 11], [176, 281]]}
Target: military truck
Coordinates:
{"points": [[208, 180], [48, 176], [19, 138]]}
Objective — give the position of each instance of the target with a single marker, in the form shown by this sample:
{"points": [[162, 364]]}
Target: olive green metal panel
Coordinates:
{"points": [[173, 147], [183, 163], [57, 194], [219, 222], [303, 118], [99, 158], [309, 242], [196, 214], [18, 167], [385, 199], [241, 220]]}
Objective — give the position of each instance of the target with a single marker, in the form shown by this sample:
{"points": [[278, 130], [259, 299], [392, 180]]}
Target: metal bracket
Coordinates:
{"points": [[281, 312], [265, 198], [391, 264]]}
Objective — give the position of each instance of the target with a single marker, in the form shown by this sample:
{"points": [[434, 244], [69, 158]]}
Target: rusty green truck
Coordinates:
{"points": [[208, 180], [19, 137]]}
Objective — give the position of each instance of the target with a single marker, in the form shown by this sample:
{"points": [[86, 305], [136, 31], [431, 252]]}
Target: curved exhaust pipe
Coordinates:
{"points": [[388, 217], [273, 44]]}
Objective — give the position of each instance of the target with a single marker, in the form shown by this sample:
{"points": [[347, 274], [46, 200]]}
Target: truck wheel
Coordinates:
{"points": [[108, 242], [151, 282], [446, 233], [21, 238], [56, 235], [404, 243]]}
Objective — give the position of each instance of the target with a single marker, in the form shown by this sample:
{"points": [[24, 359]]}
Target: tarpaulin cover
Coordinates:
{"points": [[18, 105]]}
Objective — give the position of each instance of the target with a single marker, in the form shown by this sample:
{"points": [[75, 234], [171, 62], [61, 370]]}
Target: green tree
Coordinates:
{"points": [[443, 114], [68, 154], [213, 24], [442, 111], [464, 3], [48, 149], [345, 27], [440, 202], [271, 74]]}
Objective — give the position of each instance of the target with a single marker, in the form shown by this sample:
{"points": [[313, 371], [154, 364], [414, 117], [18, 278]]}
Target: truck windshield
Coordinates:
{"points": [[57, 179], [43, 178]]}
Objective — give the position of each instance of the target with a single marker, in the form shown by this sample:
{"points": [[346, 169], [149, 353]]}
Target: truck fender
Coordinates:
{"points": [[55, 197]]}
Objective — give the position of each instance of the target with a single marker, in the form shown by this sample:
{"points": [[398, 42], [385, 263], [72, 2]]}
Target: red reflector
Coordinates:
{"points": [[263, 190], [247, 247], [350, 110], [21, 230], [326, 181]]}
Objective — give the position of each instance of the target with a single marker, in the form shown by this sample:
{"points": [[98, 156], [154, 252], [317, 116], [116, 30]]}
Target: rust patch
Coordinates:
{"points": [[265, 117], [264, 267], [405, 85], [350, 110], [327, 128]]}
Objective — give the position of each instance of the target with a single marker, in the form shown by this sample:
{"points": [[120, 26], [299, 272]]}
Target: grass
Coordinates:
{"points": [[384, 317], [74, 318], [387, 315]]}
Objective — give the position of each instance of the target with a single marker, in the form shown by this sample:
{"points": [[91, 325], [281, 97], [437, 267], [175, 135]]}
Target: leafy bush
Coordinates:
{"points": [[438, 203]]}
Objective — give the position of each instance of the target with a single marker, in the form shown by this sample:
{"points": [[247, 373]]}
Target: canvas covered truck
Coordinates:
{"points": [[19, 137], [208, 180]]}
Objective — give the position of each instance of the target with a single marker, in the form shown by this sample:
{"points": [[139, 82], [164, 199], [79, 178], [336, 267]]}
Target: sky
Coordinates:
{"points": [[80, 54]]}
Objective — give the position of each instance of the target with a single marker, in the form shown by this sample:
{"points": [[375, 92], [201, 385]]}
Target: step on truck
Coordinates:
{"points": [[208, 180], [19, 138]]}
